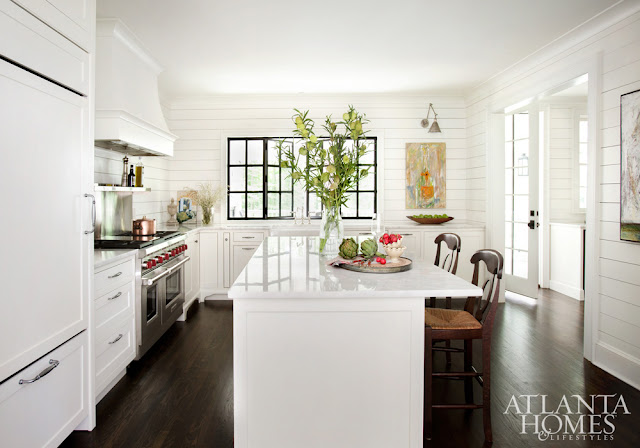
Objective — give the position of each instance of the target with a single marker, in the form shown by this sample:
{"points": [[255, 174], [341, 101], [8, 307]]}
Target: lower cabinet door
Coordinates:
{"points": [[241, 256], [114, 352], [42, 412]]}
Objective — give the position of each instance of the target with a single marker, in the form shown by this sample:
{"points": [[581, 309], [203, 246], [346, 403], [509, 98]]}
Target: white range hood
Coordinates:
{"points": [[129, 118]]}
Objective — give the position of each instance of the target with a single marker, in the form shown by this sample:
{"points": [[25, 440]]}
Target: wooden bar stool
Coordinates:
{"points": [[450, 261], [474, 322]]}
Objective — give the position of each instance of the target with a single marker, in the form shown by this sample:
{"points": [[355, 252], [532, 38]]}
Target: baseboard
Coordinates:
{"points": [[219, 295], [618, 364], [110, 386], [567, 290]]}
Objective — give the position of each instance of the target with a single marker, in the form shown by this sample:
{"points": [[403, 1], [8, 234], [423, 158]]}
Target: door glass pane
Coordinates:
{"points": [[520, 236], [254, 204], [583, 175], [508, 234], [521, 182], [237, 152], [236, 205], [254, 178], [584, 131], [508, 154], [508, 261], [173, 286], [152, 302], [508, 208], [236, 179], [255, 152], [521, 153], [521, 208], [508, 181], [521, 263], [521, 125], [508, 127], [583, 153]]}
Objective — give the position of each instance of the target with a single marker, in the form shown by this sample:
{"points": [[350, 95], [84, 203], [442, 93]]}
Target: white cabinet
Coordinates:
{"points": [[74, 19], [472, 241], [191, 272], [114, 333], [44, 132], [241, 256], [209, 262], [44, 412], [33, 44]]}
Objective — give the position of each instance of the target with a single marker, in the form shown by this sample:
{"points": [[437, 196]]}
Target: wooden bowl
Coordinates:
{"points": [[430, 220]]}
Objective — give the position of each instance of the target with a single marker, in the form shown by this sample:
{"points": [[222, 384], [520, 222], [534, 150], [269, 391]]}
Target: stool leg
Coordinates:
{"points": [[428, 371], [468, 362], [486, 389], [448, 343]]}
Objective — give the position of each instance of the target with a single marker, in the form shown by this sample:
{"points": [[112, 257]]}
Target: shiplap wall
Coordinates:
{"points": [[152, 204], [563, 160], [616, 335], [202, 126]]}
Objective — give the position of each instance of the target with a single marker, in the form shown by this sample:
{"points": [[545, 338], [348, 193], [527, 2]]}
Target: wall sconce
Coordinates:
{"points": [[435, 127], [523, 165]]}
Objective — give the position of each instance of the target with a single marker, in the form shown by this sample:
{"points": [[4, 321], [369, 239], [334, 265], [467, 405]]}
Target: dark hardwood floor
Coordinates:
{"points": [[181, 393]]}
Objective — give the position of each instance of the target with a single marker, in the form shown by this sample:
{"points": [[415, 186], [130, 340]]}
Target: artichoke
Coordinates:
{"points": [[370, 248], [348, 248]]}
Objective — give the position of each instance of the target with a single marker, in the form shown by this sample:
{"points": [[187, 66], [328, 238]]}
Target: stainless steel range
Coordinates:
{"points": [[159, 289]]}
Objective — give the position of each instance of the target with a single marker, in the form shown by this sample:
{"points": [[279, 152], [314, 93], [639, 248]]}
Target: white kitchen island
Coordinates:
{"points": [[325, 357]]}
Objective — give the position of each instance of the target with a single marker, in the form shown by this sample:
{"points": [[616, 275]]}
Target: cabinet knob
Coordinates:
{"points": [[196, 241]]}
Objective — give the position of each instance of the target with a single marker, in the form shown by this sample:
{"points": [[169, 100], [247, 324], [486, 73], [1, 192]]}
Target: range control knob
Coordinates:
{"points": [[173, 252], [160, 259], [167, 256], [185, 246]]}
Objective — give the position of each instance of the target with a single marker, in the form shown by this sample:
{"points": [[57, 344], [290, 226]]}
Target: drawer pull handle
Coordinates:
{"points": [[248, 237], [116, 339], [115, 297], [248, 248], [116, 275], [52, 365]]}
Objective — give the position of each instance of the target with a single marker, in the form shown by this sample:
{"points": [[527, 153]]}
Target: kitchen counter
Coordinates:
{"points": [[102, 257], [324, 355]]}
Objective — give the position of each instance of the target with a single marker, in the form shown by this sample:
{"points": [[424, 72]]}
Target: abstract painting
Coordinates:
{"points": [[630, 166], [426, 175]]}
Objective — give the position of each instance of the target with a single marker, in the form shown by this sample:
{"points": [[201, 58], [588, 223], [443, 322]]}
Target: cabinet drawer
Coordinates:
{"points": [[114, 276], [248, 237], [45, 412], [113, 353], [29, 42], [114, 306]]}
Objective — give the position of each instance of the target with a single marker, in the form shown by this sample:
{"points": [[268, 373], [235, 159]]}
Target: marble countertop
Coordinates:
{"points": [[282, 227], [102, 257], [290, 267]]}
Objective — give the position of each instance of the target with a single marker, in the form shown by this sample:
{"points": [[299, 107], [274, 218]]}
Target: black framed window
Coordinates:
{"points": [[259, 188]]}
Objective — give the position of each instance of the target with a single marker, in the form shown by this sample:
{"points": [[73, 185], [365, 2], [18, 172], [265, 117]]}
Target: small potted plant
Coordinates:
{"points": [[207, 197]]}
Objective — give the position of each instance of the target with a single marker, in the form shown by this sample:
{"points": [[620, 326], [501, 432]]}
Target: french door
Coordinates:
{"points": [[521, 201]]}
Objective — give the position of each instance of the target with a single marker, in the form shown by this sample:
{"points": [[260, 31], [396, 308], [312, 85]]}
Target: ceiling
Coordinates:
{"points": [[213, 47]]}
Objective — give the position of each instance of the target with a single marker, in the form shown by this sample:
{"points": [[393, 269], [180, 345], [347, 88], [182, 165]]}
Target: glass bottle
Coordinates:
{"points": [[131, 178], [139, 172]]}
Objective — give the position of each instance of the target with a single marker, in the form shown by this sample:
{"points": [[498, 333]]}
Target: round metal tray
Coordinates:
{"points": [[390, 268]]}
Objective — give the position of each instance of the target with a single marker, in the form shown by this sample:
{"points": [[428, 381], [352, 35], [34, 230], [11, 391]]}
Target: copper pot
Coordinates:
{"points": [[144, 226]]}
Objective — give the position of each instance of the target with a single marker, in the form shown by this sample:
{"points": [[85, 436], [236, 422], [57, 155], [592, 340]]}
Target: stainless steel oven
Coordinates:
{"points": [[161, 293]]}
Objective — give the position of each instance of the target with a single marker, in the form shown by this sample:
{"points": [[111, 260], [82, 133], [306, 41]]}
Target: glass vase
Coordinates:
{"points": [[207, 216], [331, 231]]}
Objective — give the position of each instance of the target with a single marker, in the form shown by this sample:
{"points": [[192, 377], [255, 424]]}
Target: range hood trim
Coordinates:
{"points": [[143, 132]]}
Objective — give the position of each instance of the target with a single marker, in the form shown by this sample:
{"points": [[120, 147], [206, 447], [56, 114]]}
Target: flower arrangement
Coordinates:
{"points": [[207, 196], [328, 166]]}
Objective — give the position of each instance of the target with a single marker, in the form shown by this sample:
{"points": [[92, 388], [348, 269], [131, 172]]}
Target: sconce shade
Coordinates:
{"points": [[435, 127]]}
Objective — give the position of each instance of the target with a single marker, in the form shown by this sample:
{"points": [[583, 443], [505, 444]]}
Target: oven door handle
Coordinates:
{"points": [[152, 280], [180, 263], [169, 270]]}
